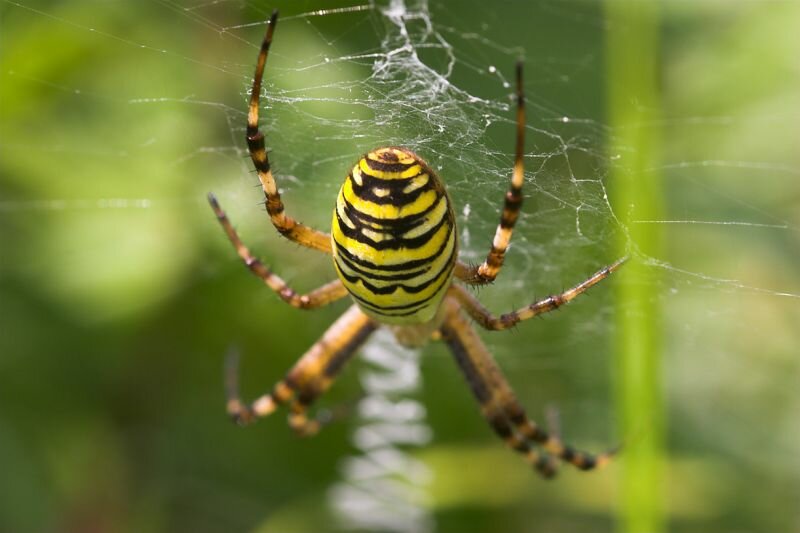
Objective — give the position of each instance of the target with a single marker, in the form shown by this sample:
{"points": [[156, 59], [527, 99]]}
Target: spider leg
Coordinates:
{"points": [[499, 404], [489, 387], [487, 271], [309, 377], [322, 296], [286, 225], [492, 322]]}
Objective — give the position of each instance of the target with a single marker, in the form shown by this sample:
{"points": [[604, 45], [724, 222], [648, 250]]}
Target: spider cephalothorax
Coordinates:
{"points": [[394, 248]]}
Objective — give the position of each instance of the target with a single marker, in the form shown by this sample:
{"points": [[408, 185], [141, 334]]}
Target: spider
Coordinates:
{"points": [[394, 248]]}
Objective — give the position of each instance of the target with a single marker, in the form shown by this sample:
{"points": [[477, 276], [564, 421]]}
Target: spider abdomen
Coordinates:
{"points": [[393, 236]]}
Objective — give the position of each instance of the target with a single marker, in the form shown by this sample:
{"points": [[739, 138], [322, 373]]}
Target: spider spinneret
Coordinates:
{"points": [[395, 251]]}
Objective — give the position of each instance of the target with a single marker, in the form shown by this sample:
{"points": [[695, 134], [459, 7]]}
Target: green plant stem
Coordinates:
{"points": [[634, 107]]}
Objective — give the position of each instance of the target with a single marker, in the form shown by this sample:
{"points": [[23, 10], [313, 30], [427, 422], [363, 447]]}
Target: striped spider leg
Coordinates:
{"points": [[487, 271], [312, 375], [499, 404], [320, 297], [286, 225], [496, 323]]}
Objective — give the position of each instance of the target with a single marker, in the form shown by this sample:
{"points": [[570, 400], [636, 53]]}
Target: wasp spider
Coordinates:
{"points": [[394, 247]]}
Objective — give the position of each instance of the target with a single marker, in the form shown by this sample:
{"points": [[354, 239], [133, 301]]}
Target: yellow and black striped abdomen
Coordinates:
{"points": [[393, 237]]}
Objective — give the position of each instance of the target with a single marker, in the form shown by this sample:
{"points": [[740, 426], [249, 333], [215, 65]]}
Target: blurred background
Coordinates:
{"points": [[119, 294]]}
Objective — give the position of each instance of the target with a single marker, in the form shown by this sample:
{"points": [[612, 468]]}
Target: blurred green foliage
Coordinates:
{"points": [[119, 294]]}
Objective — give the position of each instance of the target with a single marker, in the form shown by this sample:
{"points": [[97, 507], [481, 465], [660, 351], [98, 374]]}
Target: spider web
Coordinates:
{"points": [[436, 78]]}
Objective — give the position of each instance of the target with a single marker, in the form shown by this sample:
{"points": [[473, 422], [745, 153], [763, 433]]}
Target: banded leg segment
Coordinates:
{"points": [[329, 355], [500, 405], [286, 225], [322, 296], [492, 322], [489, 387], [312, 375], [487, 271]]}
